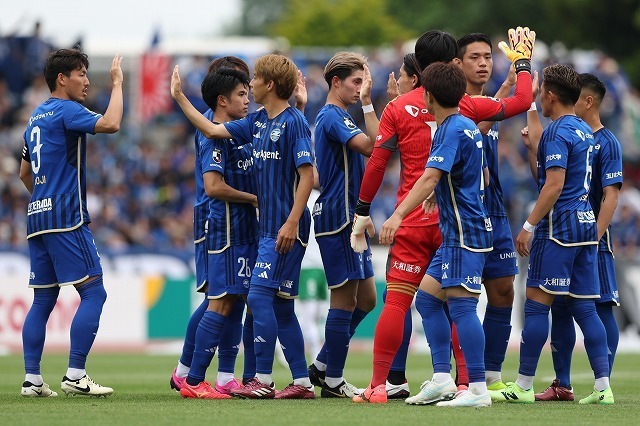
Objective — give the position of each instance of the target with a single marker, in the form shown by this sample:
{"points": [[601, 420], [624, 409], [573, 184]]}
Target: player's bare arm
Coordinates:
{"points": [[110, 121], [288, 232], [607, 208], [370, 118], [26, 175], [216, 187]]}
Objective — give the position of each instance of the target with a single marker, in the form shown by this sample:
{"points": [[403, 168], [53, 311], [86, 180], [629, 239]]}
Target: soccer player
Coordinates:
{"points": [[61, 246], [603, 196], [339, 148], [455, 170], [406, 125], [231, 240], [563, 259], [283, 174], [228, 348]]}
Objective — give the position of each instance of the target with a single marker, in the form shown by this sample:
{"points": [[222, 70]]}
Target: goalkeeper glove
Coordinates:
{"points": [[358, 240], [520, 47]]}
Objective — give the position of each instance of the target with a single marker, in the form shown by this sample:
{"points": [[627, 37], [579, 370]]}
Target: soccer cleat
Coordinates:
{"points": [[465, 398], [255, 389], [555, 392], [316, 376], [397, 391], [431, 392], [343, 390], [295, 392], [202, 390], [602, 397], [176, 382], [37, 391], [377, 395], [84, 386], [496, 386], [226, 389], [513, 393]]}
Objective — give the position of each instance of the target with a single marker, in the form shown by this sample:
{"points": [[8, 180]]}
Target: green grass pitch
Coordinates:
{"points": [[142, 396]]}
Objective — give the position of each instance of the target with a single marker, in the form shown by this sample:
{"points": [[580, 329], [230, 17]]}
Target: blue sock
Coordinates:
{"points": [[337, 341], [470, 333], [290, 336], [437, 330], [595, 336], [605, 312], [534, 336], [230, 339], [265, 326], [249, 369], [84, 326], [207, 340], [497, 329], [399, 363], [563, 339], [34, 329], [356, 318], [190, 335]]}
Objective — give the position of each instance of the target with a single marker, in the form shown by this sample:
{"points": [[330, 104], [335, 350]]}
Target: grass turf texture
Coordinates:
{"points": [[142, 396]]}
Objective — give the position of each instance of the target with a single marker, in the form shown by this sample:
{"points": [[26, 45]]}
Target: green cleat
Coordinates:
{"points": [[513, 393], [496, 386], [603, 397]]}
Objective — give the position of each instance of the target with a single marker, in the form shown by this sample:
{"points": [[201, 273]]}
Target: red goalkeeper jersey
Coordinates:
{"points": [[407, 126]]}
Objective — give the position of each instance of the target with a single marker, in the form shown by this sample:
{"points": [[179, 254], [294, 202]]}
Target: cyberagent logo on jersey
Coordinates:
{"points": [[266, 155]]}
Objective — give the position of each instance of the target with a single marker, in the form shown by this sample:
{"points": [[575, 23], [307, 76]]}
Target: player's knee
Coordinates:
{"points": [[367, 303], [500, 292]]}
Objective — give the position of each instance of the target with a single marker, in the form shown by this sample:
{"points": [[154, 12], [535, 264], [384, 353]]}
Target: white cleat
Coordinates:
{"points": [[37, 391], [464, 398], [397, 391], [431, 392], [84, 386]]}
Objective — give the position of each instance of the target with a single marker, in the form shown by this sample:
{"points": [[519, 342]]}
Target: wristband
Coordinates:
{"points": [[533, 106], [362, 208], [523, 65], [527, 226], [367, 108]]}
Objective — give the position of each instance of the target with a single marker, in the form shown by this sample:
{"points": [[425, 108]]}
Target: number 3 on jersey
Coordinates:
{"points": [[35, 134]]}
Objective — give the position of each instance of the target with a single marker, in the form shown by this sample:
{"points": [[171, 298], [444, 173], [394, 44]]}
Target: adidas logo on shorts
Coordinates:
{"points": [[264, 275], [259, 339]]}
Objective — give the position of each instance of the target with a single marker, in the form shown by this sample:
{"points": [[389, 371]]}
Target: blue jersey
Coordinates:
{"points": [[457, 151], [56, 142], [230, 224], [201, 202], [568, 143], [607, 170], [493, 200], [340, 170], [280, 145]]}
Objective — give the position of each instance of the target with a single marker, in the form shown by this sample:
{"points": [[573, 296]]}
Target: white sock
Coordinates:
{"points": [[320, 365], [478, 388], [224, 378], [493, 376], [75, 373], [601, 384], [332, 382], [442, 377], [302, 381], [182, 370], [264, 378], [35, 379], [525, 382]]}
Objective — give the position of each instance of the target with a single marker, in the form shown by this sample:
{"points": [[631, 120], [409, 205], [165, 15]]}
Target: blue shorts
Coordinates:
{"points": [[276, 270], [63, 258], [341, 263], [230, 270], [455, 266], [607, 279], [502, 260], [561, 270], [201, 265]]}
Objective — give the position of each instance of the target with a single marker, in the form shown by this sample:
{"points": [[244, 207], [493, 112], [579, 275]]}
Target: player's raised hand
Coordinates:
{"points": [[393, 90], [176, 84], [535, 86], [389, 229], [300, 92], [521, 42], [116, 70], [365, 89], [360, 225]]}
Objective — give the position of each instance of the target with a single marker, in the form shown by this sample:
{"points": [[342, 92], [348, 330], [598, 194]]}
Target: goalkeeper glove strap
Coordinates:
{"points": [[523, 65], [362, 208]]}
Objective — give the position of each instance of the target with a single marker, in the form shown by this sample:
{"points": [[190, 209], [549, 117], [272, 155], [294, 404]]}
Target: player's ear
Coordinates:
{"points": [[457, 61], [222, 101]]}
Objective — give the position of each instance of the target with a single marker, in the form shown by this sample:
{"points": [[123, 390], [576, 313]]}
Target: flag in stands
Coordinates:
{"points": [[154, 82]]}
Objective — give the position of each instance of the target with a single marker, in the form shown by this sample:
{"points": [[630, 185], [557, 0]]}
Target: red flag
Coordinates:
{"points": [[154, 92]]}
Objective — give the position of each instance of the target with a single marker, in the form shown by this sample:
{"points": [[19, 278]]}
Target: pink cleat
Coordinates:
{"points": [[177, 382], [377, 395], [229, 387]]}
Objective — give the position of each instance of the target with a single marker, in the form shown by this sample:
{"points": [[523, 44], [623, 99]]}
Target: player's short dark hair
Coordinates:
{"points": [[467, 39], [563, 81], [342, 65], [229, 62], [594, 84], [63, 61], [221, 82], [434, 46], [411, 66], [279, 69], [446, 82]]}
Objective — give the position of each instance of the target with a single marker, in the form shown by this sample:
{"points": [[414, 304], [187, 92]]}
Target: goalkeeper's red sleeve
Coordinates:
{"points": [[374, 173]]}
